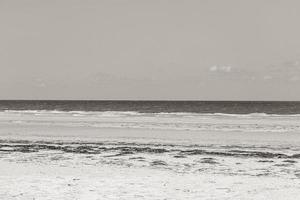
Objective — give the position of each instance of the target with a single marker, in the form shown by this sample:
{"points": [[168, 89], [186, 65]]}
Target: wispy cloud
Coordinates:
{"points": [[288, 71], [221, 68], [39, 82]]}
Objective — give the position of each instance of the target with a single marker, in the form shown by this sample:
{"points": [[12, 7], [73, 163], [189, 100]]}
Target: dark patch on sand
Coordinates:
{"points": [[265, 161], [158, 162], [211, 161], [289, 161]]}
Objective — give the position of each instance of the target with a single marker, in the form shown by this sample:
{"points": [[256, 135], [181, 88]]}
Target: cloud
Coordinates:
{"points": [[213, 68], [280, 73], [285, 71], [40, 83], [222, 68]]}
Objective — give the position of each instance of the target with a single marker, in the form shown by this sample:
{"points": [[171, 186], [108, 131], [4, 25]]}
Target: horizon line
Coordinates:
{"points": [[144, 100]]}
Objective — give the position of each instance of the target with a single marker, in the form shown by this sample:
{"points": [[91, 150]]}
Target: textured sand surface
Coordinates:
{"points": [[60, 161]]}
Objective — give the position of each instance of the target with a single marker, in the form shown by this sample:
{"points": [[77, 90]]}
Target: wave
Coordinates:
{"points": [[136, 113], [104, 113]]}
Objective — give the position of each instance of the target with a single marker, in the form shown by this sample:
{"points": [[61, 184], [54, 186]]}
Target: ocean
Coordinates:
{"points": [[226, 107], [164, 115]]}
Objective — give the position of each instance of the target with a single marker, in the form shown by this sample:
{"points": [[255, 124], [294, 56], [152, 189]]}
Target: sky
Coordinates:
{"points": [[150, 49]]}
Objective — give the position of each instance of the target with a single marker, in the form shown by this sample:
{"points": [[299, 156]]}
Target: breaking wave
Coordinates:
{"points": [[134, 113]]}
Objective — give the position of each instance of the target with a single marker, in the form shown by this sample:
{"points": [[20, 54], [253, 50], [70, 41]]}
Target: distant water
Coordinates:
{"points": [[227, 107]]}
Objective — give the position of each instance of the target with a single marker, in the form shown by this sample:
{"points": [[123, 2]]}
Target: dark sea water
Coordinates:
{"points": [[229, 107]]}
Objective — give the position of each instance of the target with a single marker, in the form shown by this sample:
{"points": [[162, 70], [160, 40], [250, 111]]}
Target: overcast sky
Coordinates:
{"points": [[154, 49]]}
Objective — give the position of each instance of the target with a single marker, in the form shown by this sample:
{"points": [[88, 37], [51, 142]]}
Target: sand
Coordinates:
{"points": [[61, 161]]}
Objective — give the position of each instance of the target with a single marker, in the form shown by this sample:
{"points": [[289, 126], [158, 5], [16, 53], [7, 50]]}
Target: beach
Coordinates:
{"points": [[63, 155]]}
